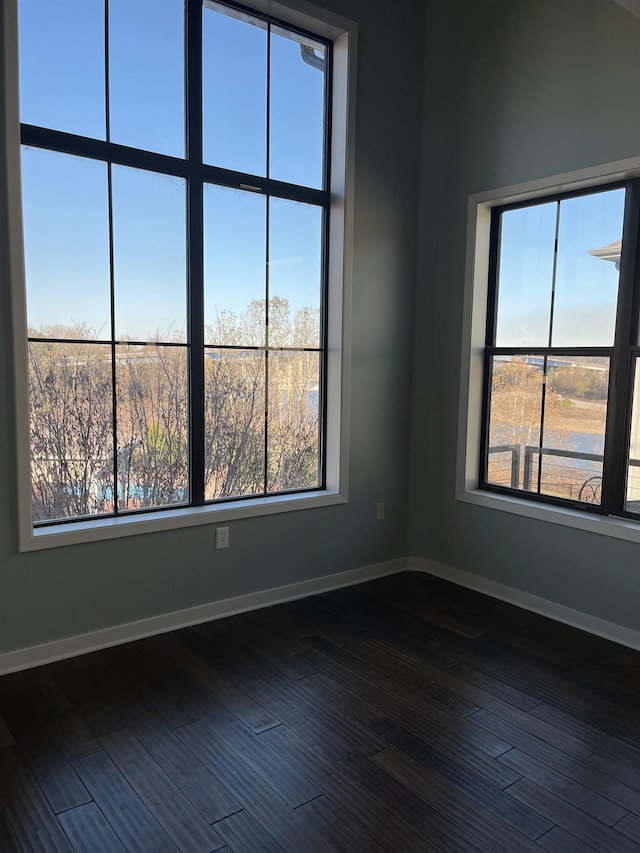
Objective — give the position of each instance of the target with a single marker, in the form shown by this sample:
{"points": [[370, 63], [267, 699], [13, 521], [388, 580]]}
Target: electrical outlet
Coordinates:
{"points": [[380, 510], [222, 538]]}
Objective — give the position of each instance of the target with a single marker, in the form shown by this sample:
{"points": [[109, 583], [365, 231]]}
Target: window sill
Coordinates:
{"points": [[96, 530], [617, 528]]}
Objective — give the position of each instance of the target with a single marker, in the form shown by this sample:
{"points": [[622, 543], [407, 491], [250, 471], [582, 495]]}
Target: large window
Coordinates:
{"points": [[561, 405], [181, 275]]}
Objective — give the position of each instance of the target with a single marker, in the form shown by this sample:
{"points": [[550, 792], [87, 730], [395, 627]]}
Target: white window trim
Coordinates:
{"points": [[343, 33], [473, 343]]}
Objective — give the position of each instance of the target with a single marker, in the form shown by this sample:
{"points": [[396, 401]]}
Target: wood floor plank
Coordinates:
{"points": [[278, 774], [392, 699], [353, 797], [329, 691], [276, 694], [341, 829], [189, 775], [446, 751], [561, 786], [617, 768], [55, 775], [573, 727], [266, 639], [440, 829], [32, 823], [495, 686], [584, 772], [88, 830], [571, 819], [432, 788], [280, 821], [630, 826], [192, 657], [557, 840], [245, 835], [182, 822], [559, 687], [493, 799], [124, 810]]}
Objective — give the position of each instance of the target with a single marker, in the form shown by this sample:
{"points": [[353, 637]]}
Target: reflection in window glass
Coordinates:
{"points": [[234, 90], [66, 239], [527, 238], [71, 432], [62, 65], [152, 426], [296, 109], [586, 287], [234, 267], [295, 273], [149, 251], [146, 74]]}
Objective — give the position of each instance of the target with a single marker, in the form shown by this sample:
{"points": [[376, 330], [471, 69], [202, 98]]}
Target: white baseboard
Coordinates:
{"points": [[566, 615], [90, 642]]}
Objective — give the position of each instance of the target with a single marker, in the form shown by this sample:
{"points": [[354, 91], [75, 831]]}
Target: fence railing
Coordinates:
{"points": [[579, 481]]}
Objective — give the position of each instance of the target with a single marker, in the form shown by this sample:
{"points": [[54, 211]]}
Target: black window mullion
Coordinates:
{"points": [[543, 406], [114, 374], [554, 276], [195, 247], [618, 424], [267, 341]]}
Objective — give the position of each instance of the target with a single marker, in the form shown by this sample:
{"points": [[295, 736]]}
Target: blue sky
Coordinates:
{"points": [[586, 287], [65, 198]]}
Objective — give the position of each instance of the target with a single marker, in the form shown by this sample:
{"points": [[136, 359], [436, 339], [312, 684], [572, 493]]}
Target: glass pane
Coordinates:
{"points": [[296, 109], [295, 273], [633, 471], [235, 227], [586, 294], [234, 90], [71, 432], [62, 65], [234, 400], [294, 421], [574, 424], [146, 74], [149, 256], [153, 444], [525, 276], [514, 425], [66, 241]]}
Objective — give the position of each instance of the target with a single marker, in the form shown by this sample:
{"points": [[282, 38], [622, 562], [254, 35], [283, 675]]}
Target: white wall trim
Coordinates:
{"points": [[543, 606], [106, 637]]}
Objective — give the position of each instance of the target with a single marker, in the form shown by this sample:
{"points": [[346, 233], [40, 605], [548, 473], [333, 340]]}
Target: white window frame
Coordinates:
{"points": [[473, 344], [343, 34]]}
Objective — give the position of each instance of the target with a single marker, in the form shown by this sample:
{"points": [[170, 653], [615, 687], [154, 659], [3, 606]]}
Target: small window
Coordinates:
{"points": [[561, 418]]}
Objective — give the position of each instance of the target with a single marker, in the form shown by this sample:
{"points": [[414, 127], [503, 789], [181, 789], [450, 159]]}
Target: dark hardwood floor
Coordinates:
{"points": [[405, 714]]}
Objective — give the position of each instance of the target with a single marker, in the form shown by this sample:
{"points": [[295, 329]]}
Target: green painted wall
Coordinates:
{"points": [[65, 591], [515, 90]]}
